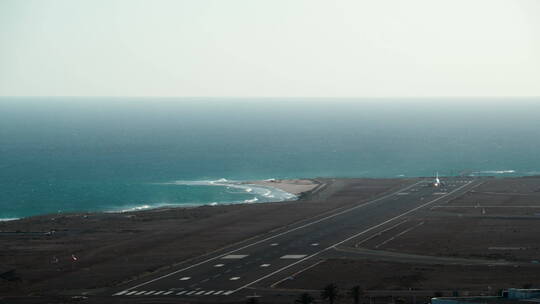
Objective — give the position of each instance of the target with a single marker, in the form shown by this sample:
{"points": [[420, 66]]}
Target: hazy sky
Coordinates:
{"points": [[270, 48]]}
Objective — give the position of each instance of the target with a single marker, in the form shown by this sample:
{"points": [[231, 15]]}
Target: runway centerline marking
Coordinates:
{"points": [[280, 234], [219, 265], [352, 237], [234, 278], [265, 265], [185, 278]]}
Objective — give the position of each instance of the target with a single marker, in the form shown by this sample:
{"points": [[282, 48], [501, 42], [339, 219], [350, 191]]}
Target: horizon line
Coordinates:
{"points": [[263, 97]]}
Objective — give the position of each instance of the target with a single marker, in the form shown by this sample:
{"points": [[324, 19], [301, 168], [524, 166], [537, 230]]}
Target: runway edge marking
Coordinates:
{"points": [[351, 237], [275, 236]]}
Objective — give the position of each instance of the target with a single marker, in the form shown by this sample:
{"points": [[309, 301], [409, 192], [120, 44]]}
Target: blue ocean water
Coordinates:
{"points": [[111, 154]]}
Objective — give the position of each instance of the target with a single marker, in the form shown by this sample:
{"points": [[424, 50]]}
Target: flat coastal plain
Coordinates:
{"points": [[396, 238]]}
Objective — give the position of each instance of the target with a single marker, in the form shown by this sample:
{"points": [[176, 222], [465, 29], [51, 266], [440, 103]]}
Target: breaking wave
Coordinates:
{"points": [[7, 219], [496, 172], [257, 193], [262, 193]]}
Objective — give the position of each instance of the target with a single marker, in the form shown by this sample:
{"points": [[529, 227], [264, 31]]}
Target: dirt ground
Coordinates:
{"points": [[475, 244], [115, 248]]}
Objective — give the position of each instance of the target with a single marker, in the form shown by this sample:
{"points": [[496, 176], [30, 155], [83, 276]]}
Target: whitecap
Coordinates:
{"points": [[497, 172], [253, 200], [263, 193], [7, 219]]}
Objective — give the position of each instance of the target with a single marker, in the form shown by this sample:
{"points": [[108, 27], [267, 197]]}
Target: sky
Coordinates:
{"points": [[273, 48]]}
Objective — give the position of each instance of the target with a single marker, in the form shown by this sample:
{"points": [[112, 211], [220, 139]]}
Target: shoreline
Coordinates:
{"points": [[296, 188], [122, 247], [114, 249]]}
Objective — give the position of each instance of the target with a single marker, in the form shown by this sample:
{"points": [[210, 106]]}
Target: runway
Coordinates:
{"points": [[262, 261]]}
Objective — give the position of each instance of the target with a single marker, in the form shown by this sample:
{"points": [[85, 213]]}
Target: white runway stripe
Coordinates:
{"points": [[293, 256], [159, 292], [234, 256], [130, 293], [168, 292], [140, 292], [191, 292], [150, 292], [218, 292], [120, 293], [200, 292], [208, 293], [228, 292]]}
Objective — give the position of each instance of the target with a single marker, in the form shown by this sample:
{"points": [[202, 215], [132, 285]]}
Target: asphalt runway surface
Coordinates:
{"points": [[259, 262]]}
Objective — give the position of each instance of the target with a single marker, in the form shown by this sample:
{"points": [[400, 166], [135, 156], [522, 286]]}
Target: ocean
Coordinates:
{"points": [[115, 154]]}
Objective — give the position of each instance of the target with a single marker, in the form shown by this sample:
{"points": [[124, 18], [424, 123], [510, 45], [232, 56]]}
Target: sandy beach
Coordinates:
{"points": [[294, 186]]}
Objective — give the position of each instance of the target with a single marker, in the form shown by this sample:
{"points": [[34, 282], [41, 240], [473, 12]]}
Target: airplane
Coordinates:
{"points": [[437, 183]]}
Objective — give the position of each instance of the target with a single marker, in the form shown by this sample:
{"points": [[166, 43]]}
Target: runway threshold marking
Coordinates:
{"points": [[351, 237], [278, 235]]}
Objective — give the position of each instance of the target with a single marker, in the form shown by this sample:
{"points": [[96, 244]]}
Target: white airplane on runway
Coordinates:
{"points": [[437, 183]]}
